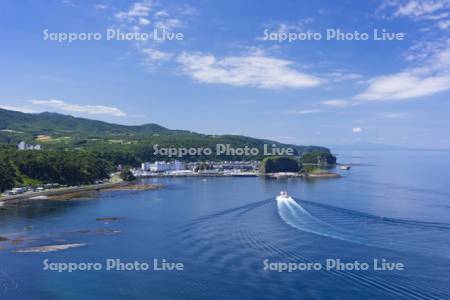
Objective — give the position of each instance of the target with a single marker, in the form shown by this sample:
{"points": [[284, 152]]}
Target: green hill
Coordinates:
{"points": [[79, 151], [57, 131], [55, 124]]}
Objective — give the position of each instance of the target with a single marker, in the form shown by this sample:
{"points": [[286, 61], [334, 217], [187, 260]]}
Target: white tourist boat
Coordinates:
{"points": [[283, 196]]}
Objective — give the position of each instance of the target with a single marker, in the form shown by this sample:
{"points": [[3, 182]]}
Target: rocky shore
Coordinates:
{"points": [[79, 191], [323, 175]]}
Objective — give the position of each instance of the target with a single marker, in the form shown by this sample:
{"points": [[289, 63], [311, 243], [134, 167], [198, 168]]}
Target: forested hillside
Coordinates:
{"points": [[60, 132], [79, 151]]}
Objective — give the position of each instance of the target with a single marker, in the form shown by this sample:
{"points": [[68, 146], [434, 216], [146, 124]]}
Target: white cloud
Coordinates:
{"points": [[252, 70], [161, 13], [144, 21], [404, 85], [305, 111], [418, 8], [142, 13], [429, 10], [393, 115], [156, 55], [339, 76], [430, 76], [298, 26], [68, 2], [444, 24], [336, 103], [100, 6], [282, 28], [147, 15], [421, 51], [23, 109], [137, 10], [357, 129], [76, 108], [169, 24]]}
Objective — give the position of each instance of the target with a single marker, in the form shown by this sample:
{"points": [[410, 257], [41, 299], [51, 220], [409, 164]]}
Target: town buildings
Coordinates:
{"points": [[24, 146]]}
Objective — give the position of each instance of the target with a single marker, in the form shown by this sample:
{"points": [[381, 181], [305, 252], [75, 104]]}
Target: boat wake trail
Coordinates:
{"points": [[296, 216], [237, 241], [346, 225]]}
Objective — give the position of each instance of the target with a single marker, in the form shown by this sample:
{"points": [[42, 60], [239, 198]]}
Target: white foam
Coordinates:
{"points": [[296, 216]]}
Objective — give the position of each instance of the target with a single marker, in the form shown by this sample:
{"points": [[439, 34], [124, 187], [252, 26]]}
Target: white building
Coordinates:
{"points": [[146, 166], [162, 166], [178, 165], [24, 146], [182, 173], [21, 145]]}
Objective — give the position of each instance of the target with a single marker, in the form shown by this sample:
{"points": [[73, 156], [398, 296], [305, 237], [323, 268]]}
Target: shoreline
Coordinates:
{"points": [[79, 190], [322, 174]]}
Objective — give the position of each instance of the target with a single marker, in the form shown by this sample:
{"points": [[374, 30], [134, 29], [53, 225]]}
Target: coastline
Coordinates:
{"points": [[319, 175], [80, 191], [72, 192], [323, 175]]}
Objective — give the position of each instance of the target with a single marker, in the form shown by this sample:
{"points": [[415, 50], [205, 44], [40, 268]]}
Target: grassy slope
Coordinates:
{"points": [[62, 131]]}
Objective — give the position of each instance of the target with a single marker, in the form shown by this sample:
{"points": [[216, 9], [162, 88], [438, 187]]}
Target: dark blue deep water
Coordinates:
{"points": [[392, 205]]}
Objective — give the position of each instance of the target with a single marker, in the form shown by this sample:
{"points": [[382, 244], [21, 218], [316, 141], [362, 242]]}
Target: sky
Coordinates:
{"points": [[227, 67]]}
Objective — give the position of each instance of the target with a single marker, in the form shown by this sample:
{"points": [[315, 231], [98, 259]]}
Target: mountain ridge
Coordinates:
{"points": [[59, 131], [6, 116]]}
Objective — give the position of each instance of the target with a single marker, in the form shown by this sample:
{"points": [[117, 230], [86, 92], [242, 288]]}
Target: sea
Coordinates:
{"points": [[381, 231]]}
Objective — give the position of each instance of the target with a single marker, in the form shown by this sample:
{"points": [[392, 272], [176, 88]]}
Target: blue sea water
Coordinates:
{"points": [[392, 205]]}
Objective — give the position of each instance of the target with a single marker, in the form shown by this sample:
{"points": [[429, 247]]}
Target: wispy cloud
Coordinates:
{"points": [[137, 11], [430, 9], [156, 55], [248, 70], [393, 115], [161, 13], [431, 75], [76, 108], [305, 111], [404, 85], [339, 76], [147, 15], [23, 109], [436, 11], [100, 6], [337, 103], [68, 2], [429, 58], [357, 130], [287, 27], [444, 24]]}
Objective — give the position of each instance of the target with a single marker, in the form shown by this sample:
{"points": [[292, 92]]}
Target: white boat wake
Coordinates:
{"points": [[296, 216], [382, 233]]}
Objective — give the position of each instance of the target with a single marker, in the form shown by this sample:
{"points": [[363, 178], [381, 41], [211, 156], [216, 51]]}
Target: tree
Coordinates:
{"points": [[279, 164], [126, 175], [64, 167], [318, 157], [7, 175]]}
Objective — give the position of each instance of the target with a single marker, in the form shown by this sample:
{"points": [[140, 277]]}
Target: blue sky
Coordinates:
{"points": [[225, 77]]}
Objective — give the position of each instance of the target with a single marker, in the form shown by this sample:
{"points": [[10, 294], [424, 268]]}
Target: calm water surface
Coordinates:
{"points": [[392, 204]]}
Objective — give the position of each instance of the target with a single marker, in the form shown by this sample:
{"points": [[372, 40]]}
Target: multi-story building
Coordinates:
{"points": [[162, 166], [24, 146]]}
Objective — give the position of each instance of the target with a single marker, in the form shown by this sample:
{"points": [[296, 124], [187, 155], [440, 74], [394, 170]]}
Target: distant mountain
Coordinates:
{"points": [[381, 147], [57, 131], [365, 146], [57, 124]]}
